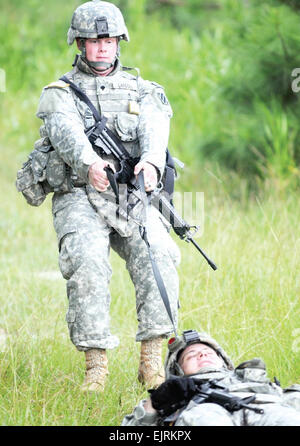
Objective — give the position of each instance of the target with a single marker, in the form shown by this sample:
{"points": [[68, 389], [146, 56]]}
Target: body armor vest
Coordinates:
{"points": [[116, 97]]}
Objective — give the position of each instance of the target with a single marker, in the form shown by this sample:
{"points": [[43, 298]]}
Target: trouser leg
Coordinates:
{"points": [[84, 263], [153, 320]]}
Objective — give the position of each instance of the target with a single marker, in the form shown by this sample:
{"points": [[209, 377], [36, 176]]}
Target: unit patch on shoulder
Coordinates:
{"points": [[58, 84], [161, 101]]}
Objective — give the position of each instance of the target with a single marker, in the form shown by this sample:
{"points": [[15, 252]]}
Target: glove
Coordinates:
{"points": [[173, 394]]}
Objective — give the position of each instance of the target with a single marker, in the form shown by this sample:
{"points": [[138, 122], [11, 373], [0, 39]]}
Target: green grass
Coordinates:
{"points": [[250, 304], [251, 226]]}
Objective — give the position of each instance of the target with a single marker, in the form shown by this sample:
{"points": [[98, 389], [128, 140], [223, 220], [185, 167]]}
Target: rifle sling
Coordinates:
{"points": [[81, 95], [155, 269]]}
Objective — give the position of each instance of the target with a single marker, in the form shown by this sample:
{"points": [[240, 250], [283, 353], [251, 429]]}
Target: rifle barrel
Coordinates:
{"points": [[210, 262], [170, 213]]}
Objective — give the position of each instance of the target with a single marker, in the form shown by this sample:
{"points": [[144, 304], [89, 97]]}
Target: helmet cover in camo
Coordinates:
{"points": [[96, 19], [177, 345]]}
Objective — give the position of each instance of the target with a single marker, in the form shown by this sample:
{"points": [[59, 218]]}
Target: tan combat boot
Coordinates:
{"points": [[96, 370], [151, 372]]}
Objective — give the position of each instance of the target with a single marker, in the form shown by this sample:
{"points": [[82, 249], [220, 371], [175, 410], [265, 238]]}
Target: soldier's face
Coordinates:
{"points": [[197, 356], [101, 50]]}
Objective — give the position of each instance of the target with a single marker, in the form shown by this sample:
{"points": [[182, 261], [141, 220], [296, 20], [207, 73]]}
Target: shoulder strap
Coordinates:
{"points": [[81, 95], [143, 232]]}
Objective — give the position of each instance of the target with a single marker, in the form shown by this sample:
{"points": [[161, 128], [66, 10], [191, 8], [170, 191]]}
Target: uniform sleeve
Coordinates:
{"points": [[140, 417], [66, 130], [154, 124]]}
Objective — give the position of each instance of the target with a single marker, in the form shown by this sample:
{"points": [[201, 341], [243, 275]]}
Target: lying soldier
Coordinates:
{"points": [[203, 388]]}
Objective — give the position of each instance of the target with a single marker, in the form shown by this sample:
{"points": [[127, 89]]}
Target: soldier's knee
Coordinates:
{"points": [[164, 246], [77, 254]]}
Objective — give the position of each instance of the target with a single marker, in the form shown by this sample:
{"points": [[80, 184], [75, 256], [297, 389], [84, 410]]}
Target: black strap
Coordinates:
{"points": [[83, 97], [155, 269], [112, 181]]}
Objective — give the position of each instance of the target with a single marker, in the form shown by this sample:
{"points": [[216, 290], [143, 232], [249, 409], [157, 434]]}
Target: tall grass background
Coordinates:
{"points": [[226, 67]]}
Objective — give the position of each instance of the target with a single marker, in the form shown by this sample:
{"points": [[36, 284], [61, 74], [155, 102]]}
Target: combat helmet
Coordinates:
{"points": [[97, 19], [177, 344]]}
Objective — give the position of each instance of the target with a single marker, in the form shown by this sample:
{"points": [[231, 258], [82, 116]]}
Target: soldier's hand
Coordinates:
{"points": [[173, 394], [97, 175], [150, 174]]}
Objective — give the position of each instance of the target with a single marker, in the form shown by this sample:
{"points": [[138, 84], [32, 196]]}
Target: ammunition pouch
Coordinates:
{"points": [[43, 172]]}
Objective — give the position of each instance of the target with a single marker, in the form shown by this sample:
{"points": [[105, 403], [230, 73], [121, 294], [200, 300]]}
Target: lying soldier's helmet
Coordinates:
{"points": [[177, 345], [97, 19]]}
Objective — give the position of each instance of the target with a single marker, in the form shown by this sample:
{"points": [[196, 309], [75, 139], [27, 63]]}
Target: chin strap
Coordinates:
{"points": [[98, 66]]}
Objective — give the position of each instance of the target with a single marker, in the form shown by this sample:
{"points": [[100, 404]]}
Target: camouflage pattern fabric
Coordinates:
{"points": [[85, 220], [207, 414], [281, 406], [84, 25]]}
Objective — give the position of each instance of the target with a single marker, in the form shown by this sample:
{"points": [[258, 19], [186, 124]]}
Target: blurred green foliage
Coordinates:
{"points": [[227, 69], [255, 47], [226, 66]]}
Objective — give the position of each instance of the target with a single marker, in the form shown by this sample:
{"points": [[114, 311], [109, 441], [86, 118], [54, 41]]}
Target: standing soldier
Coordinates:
{"points": [[138, 113]]}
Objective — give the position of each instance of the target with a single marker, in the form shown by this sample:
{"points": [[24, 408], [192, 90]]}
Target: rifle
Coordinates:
{"points": [[176, 393], [214, 393], [104, 142]]}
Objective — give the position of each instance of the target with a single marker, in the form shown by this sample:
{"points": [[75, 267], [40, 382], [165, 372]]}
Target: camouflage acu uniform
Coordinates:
{"points": [[85, 220], [281, 406]]}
